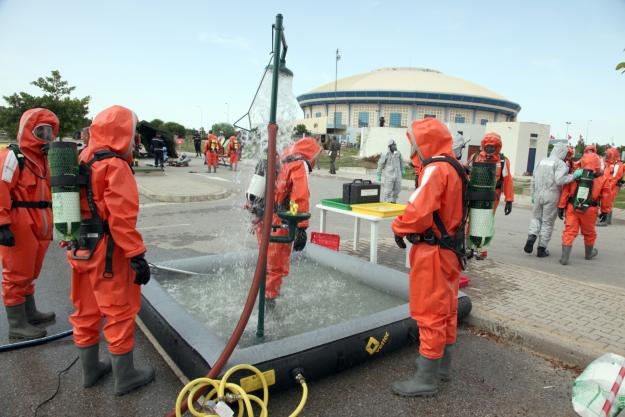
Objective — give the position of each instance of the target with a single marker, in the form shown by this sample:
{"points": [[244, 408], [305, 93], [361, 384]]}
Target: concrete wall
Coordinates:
{"points": [[374, 140], [315, 125], [517, 140]]}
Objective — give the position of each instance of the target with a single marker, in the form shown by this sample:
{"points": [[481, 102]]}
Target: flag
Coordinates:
{"points": [[570, 137], [551, 137]]}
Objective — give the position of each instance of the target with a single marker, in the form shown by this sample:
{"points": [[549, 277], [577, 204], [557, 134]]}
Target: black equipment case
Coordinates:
{"points": [[361, 192]]}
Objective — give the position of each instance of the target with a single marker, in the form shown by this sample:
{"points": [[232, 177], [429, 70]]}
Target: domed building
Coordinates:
{"points": [[400, 95], [374, 107]]}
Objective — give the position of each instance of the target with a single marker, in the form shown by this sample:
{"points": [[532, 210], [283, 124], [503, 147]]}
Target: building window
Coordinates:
{"points": [[395, 120], [363, 119], [429, 116], [533, 135], [459, 118], [318, 114], [338, 116], [483, 122]]}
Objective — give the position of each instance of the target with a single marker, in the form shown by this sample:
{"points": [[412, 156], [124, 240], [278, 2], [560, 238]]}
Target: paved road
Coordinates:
{"points": [[493, 378]]}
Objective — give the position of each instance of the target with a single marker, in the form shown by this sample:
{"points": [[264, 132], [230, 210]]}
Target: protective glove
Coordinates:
{"points": [[300, 240], [508, 209], [578, 173], [141, 268], [400, 242], [603, 217], [561, 213], [6, 236], [413, 238], [379, 177]]}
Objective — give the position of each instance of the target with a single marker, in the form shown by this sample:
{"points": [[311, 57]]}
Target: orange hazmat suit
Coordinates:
{"points": [[234, 150], [585, 221], [504, 176], [211, 150], [97, 295], [291, 185], [31, 227], [435, 271]]}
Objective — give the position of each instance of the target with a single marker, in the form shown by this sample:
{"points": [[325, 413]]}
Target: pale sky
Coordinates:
{"points": [[200, 61]]}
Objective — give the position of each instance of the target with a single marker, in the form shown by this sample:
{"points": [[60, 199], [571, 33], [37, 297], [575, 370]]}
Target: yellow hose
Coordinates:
{"points": [[234, 394]]}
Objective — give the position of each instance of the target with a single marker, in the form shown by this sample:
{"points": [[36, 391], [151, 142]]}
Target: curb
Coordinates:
{"points": [[222, 193], [537, 338]]}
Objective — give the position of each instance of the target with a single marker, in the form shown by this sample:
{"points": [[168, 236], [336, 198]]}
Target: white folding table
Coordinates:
{"points": [[375, 225]]}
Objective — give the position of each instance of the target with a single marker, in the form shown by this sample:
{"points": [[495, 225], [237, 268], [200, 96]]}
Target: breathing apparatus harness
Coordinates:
{"points": [[21, 163], [502, 162], [582, 200], [93, 229], [457, 242]]}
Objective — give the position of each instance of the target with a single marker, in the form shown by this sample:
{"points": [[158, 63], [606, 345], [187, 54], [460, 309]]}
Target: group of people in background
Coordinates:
{"points": [[580, 192]]}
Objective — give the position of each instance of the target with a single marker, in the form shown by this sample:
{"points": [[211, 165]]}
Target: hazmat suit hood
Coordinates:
{"points": [[612, 155], [306, 148], [559, 151], [590, 148], [494, 139], [113, 129], [428, 138], [591, 161], [31, 145]]}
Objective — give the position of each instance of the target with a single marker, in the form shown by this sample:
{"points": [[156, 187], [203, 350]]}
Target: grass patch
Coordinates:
{"points": [[619, 201]]}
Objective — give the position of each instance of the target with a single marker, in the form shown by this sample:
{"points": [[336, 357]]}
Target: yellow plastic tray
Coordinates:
{"points": [[380, 209]]}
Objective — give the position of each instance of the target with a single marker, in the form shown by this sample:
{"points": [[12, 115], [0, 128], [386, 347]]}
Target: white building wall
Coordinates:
{"points": [[315, 125], [516, 138]]}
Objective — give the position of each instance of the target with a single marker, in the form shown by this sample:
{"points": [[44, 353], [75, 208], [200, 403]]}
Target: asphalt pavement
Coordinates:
{"points": [[492, 377]]}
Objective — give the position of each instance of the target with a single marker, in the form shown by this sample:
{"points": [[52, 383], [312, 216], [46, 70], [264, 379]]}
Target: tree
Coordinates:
{"points": [[174, 128], [71, 112], [621, 67], [227, 128], [157, 123], [579, 148], [300, 130]]}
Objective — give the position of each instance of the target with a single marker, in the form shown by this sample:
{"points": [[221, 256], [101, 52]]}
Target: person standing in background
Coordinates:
{"points": [[158, 145], [334, 153]]}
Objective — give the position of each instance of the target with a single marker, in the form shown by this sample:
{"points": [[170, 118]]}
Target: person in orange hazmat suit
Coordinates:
{"points": [[234, 151], [582, 210], [212, 149], [291, 185], [435, 266], [107, 274], [26, 220], [614, 172]]}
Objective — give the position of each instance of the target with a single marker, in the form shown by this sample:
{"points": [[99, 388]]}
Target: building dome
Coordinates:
{"points": [[414, 92]]}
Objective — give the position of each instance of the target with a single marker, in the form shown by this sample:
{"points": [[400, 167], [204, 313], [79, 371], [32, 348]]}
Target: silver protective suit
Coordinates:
{"points": [[390, 167], [550, 175]]}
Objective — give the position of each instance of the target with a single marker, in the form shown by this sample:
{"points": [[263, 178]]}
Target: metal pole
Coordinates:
{"points": [[336, 76], [567, 131], [271, 165]]}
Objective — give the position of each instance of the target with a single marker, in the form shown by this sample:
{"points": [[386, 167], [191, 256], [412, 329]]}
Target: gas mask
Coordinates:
{"points": [[489, 150], [44, 133], [392, 147]]}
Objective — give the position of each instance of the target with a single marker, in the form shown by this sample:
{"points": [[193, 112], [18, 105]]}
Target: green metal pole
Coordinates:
{"points": [[271, 150]]}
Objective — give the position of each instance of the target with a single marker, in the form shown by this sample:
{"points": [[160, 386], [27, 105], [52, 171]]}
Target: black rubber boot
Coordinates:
{"points": [[529, 245], [92, 369], [591, 252], [566, 254], [19, 328], [609, 221], [445, 365], [35, 316], [127, 378], [542, 252], [424, 383]]}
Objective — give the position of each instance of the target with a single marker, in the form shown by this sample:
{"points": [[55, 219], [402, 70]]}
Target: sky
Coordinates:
{"points": [[199, 61]]}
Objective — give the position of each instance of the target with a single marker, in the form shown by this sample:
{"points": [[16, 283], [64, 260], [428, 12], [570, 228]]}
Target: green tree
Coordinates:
{"points": [[227, 128], [174, 128], [157, 123], [300, 130], [621, 67], [72, 112]]}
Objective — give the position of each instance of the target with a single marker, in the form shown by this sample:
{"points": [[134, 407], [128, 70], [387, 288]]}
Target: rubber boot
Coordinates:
{"points": [[92, 369], [602, 224], [424, 383], [35, 316], [529, 245], [591, 252], [444, 370], [609, 218], [127, 378], [19, 328], [566, 254], [542, 252]]}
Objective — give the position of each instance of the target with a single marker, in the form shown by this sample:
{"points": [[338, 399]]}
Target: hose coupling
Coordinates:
{"points": [[298, 374]]}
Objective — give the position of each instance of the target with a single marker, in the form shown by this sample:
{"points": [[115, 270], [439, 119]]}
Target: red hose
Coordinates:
{"points": [[261, 264]]}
